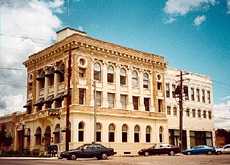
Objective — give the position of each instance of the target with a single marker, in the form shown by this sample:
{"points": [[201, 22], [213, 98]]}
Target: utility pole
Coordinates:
{"points": [[181, 111], [68, 100], [94, 110]]}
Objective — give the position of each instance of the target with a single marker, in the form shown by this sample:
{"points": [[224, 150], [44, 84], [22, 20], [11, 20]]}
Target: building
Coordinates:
{"points": [[222, 137], [198, 125], [130, 97]]}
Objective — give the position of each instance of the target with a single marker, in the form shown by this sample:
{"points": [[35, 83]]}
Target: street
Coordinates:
{"points": [[153, 160]]}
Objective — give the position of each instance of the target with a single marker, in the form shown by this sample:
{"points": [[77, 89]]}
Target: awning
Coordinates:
{"points": [[28, 104], [59, 96], [50, 98], [39, 102]]}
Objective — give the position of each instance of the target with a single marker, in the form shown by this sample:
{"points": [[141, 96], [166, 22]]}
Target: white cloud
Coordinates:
{"points": [[26, 27], [228, 6], [222, 114], [170, 20], [199, 20]]}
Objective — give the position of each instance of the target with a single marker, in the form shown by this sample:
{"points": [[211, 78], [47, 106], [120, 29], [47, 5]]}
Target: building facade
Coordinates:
{"points": [[129, 97], [198, 125]]}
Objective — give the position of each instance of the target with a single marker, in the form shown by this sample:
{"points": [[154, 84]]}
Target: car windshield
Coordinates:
{"points": [[82, 147]]}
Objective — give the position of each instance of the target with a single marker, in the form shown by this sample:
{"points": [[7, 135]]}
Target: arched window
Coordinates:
{"points": [[137, 134], [57, 134], [122, 76], [38, 136], [97, 71], [111, 133], [28, 138], [135, 83], [161, 134], [146, 81], [124, 133], [148, 134], [98, 132], [110, 74], [81, 127], [47, 136]]}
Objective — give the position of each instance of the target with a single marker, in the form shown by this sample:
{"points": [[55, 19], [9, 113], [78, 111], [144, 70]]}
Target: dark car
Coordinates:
{"points": [[160, 149], [201, 149], [88, 151]]}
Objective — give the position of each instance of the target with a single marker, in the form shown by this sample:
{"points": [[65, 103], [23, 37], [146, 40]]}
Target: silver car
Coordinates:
{"points": [[224, 150]]}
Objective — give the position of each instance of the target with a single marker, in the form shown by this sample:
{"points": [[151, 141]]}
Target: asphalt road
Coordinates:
{"points": [[151, 160]]}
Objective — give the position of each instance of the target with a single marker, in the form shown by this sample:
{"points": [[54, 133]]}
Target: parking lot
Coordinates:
{"points": [[140, 160]]}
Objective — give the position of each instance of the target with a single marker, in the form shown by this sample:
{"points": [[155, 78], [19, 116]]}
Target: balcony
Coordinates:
{"points": [[41, 92], [61, 87], [50, 90]]}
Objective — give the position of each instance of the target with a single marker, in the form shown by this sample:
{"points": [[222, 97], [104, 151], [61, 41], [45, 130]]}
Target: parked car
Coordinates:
{"points": [[160, 149], [88, 151], [224, 150], [201, 149]]}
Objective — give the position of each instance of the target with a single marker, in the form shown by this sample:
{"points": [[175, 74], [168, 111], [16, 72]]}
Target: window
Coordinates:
{"points": [[145, 81], [173, 90], [136, 134], [186, 92], [122, 76], [168, 110], [192, 94], [98, 132], [204, 114], [111, 133], [51, 80], [38, 136], [167, 90], [57, 134], [123, 101], [161, 134], [199, 113], [58, 103], [193, 113], [124, 133], [81, 72], [97, 71], [81, 96], [98, 98], [187, 112], [135, 102], [160, 105], [135, 83], [174, 111], [110, 74], [111, 100], [81, 131], [148, 134], [203, 95], [198, 94], [146, 103], [209, 97], [159, 86], [209, 114]]}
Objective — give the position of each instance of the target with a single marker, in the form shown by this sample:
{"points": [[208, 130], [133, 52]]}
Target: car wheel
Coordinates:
{"points": [[188, 153], [209, 152], [104, 156], [73, 157], [171, 153], [146, 153], [219, 152]]}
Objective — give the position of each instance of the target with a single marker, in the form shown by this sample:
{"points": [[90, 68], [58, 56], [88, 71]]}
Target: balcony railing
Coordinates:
{"points": [[61, 87], [50, 90]]}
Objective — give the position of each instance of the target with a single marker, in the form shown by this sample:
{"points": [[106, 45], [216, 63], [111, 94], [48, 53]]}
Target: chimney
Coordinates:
{"points": [[66, 32]]}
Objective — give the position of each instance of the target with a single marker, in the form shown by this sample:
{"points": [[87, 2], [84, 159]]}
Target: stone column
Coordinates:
{"points": [[142, 107], [37, 89], [151, 108], [92, 89], [104, 86], [46, 87], [117, 83], [188, 138], [130, 99]]}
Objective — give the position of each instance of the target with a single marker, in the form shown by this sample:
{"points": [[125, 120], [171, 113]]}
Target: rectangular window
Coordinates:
{"points": [[136, 137], [51, 80], [160, 105], [111, 136], [111, 100], [198, 94], [204, 114], [123, 100], [209, 97], [193, 113], [147, 138], [98, 136], [135, 102], [187, 112], [174, 111], [122, 80], [80, 136], [98, 98], [159, 86], [168, 110], [192, 94], [146, 103], [124, 137], [82, 96], [97, 75], [199, 113], [173, 90], [81, 72], [203, 95], [186, 92], [167, 90], [209, 114], [110, 77]]}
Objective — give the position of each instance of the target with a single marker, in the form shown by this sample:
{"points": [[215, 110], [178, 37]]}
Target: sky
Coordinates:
{"points": [[193, 35]]}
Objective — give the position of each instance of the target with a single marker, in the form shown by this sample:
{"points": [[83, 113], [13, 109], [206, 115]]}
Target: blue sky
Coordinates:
{"points": [[203, 48]]}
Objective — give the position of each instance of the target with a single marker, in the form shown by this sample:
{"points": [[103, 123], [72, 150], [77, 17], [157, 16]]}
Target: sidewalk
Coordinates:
{"points": [[30, 158]]}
